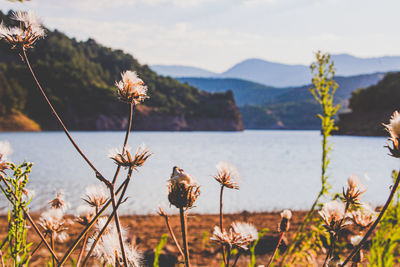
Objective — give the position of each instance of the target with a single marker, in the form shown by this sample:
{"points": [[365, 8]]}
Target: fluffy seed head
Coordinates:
{"points": [[24, 36], [228, 175], [333, 213], [394, 130], [84, 214], [363, 217], [240, 235], [96, 196], [53, 223], [131, 89], [183, 189], [286, 214]]}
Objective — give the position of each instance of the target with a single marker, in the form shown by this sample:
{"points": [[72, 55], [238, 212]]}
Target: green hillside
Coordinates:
{"points": [[79, 78], [372, 106]]}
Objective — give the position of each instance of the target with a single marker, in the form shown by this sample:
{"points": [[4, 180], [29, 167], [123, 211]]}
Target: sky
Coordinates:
{"points": [[216, 34]]}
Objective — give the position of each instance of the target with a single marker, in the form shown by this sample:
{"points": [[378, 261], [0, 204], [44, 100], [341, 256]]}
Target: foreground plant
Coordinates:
{"points": [[394, 130], [183, 191], [284, 226], [228, 176], [323, 90], [14, 189]]}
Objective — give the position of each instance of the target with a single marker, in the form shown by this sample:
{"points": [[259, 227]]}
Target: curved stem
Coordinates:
{"points": [[98, 174], [237, 257], [330, 251], [184, 236], [221, 220], [171, 232], [82, 249], [276, 248], [228, 255], [372, 228]]}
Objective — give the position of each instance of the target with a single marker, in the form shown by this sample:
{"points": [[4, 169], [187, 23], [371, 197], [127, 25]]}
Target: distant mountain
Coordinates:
{"points": [[244, 92], [286, 75], [270, 73], [181, 71]]}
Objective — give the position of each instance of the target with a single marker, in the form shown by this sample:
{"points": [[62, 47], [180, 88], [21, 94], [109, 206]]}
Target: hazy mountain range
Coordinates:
{"points": [[285, 75]]}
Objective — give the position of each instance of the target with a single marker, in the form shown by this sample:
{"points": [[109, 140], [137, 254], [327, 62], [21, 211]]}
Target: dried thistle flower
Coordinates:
{"points": [[59, 201], [354, 190], [240, 235], [363, 217], [26, 34], [183, 189], [228, 175], [286, 215], [131, 89], [96, 196], [133, 256], [53, 223], [333, 214], [127, 161], [394, 130], [84, 214]]}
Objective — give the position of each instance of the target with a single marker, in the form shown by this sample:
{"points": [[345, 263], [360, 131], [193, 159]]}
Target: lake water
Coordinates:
{"points": [[279, 169]]}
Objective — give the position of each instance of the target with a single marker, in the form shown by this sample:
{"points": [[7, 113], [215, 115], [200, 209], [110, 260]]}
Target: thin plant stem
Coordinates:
{"points": [[38, 246], [96, 217], [228, 255], [330, 251], [372, 228], [98, 174], [128, 129], [107, 223], [171, 232], [118, 225], [237, 258], [221, 220], [184, 236], [52, 246], [31, 221], [276, 248], [82, 249]]}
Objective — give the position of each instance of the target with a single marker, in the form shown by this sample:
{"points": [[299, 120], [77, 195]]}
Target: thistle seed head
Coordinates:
{"points": [[363, 217], [84, 214], [28, 32], [59, 201], [96, 196], [333, 213], [240, 235], [127, 161], [394, 130], [131, 89], [183, 189], [53, 223], [354, 190], [228, 175]]}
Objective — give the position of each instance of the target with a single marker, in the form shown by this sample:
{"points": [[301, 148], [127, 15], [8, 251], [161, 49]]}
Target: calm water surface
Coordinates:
{"points": [[279, 169]]}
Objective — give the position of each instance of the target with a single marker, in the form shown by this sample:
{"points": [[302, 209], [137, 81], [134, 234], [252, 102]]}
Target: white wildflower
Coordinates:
{"points": [[228, 175], [131, 89], [287, 214], [394, 126]]}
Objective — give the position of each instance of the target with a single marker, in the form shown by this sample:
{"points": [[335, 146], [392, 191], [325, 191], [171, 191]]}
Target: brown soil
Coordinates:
{"points": [[146, 231]]}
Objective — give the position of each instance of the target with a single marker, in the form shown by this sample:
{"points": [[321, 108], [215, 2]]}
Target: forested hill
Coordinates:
{"points": [[79, 78], [372, 106]]}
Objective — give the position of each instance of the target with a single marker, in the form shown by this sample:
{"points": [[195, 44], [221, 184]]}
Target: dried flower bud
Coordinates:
{"points": [[228, 175], [26, 34], [127, 161], [354, 190], [131, 88], [183, 190], [394, 130], [286, 215]]}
